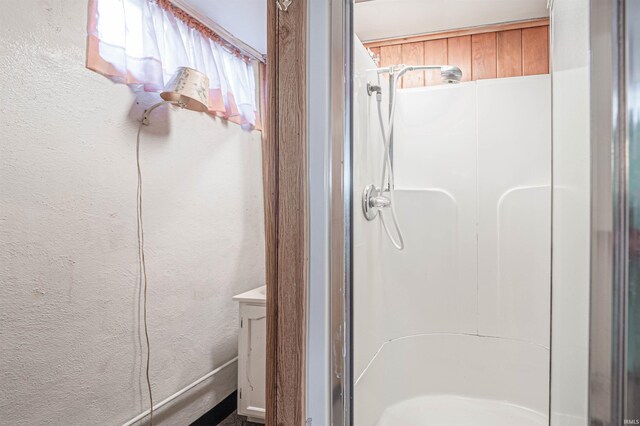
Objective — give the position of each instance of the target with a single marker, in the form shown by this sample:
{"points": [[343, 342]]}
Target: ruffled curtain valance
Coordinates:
{"points": [[141, 43]]}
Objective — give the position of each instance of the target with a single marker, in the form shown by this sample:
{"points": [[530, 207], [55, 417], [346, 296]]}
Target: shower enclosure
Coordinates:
{"points": [[498, 212], [458, 320]]}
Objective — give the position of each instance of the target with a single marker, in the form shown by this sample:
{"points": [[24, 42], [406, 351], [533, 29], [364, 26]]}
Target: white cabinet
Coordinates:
{"points": [[252, 343]]}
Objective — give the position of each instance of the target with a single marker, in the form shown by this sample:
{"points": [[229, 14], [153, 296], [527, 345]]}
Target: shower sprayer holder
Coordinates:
{"points": [[373, 201], [373, 88]]}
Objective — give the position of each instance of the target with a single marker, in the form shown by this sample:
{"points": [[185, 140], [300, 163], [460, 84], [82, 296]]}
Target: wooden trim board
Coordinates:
{"points": [[286, 234]]}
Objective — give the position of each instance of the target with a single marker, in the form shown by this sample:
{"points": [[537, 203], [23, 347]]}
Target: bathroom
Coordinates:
{"points": [[319, 212]]}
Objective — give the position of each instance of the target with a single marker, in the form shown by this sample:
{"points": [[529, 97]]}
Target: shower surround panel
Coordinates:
{"points": [[463, 312]]}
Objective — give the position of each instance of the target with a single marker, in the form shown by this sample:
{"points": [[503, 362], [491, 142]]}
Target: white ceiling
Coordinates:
{"points": [[377, 19], [245, 19]]}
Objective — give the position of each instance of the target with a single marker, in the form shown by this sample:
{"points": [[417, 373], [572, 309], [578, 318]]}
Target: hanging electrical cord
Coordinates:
{"points": [[388, 167], [142, 282], [188, 89]]}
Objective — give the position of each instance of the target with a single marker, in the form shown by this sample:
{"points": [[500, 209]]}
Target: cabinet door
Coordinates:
{"points": [[252, 361]]}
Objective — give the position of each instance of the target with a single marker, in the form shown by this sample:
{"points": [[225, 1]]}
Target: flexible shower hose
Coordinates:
{"points": [[386, 166]]}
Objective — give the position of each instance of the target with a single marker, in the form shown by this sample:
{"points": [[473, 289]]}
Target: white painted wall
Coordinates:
{"points": [[318, 104], [68, 267], [571, 211], [465, 308], [245, 19]]}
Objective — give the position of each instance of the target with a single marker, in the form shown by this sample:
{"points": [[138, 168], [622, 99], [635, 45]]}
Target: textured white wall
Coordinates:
{"points": [[68, 268]]}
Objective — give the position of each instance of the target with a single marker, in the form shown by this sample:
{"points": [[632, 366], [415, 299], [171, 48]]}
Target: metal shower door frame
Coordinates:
{"points": [[614, 385], [341, 214]]}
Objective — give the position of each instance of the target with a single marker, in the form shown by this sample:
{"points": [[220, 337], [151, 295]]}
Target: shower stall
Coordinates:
{"points": [[451, 309], [482, 236]]}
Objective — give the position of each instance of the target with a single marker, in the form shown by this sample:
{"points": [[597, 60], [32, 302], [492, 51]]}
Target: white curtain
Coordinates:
{"points": [[141, 43]]}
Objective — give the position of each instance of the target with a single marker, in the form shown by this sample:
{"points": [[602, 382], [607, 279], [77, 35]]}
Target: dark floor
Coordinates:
{"points": [[236, 420], [221, 411]]}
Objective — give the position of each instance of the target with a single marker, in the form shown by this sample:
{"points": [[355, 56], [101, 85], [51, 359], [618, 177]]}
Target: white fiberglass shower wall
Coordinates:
{"points": [[454, 329]]}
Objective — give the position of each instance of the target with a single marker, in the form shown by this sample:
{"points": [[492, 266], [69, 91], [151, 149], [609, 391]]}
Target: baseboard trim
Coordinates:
{"points": [[220, 412]]}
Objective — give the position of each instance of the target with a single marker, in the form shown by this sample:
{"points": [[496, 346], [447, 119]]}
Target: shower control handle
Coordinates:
{"points": [[380, 202], [373, 201]]}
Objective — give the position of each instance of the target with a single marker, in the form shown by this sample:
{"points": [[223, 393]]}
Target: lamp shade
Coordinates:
{"points": [[189, 88]]}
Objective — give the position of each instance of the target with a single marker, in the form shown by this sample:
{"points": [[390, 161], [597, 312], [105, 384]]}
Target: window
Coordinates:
{"points": [[141, 43]]}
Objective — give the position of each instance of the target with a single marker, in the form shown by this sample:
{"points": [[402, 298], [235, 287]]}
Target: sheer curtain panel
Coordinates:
{"points": [[141, 43]]}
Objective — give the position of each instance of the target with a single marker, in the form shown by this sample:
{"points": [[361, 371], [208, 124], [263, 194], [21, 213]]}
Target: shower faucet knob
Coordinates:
{"points": [[380, 202], [373, 201]]}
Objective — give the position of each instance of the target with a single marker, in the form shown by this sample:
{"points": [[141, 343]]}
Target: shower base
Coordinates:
{"points": [[458, 411]]}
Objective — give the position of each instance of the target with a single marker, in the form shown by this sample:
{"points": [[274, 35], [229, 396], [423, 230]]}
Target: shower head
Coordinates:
{"points": [[450, 74]]}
